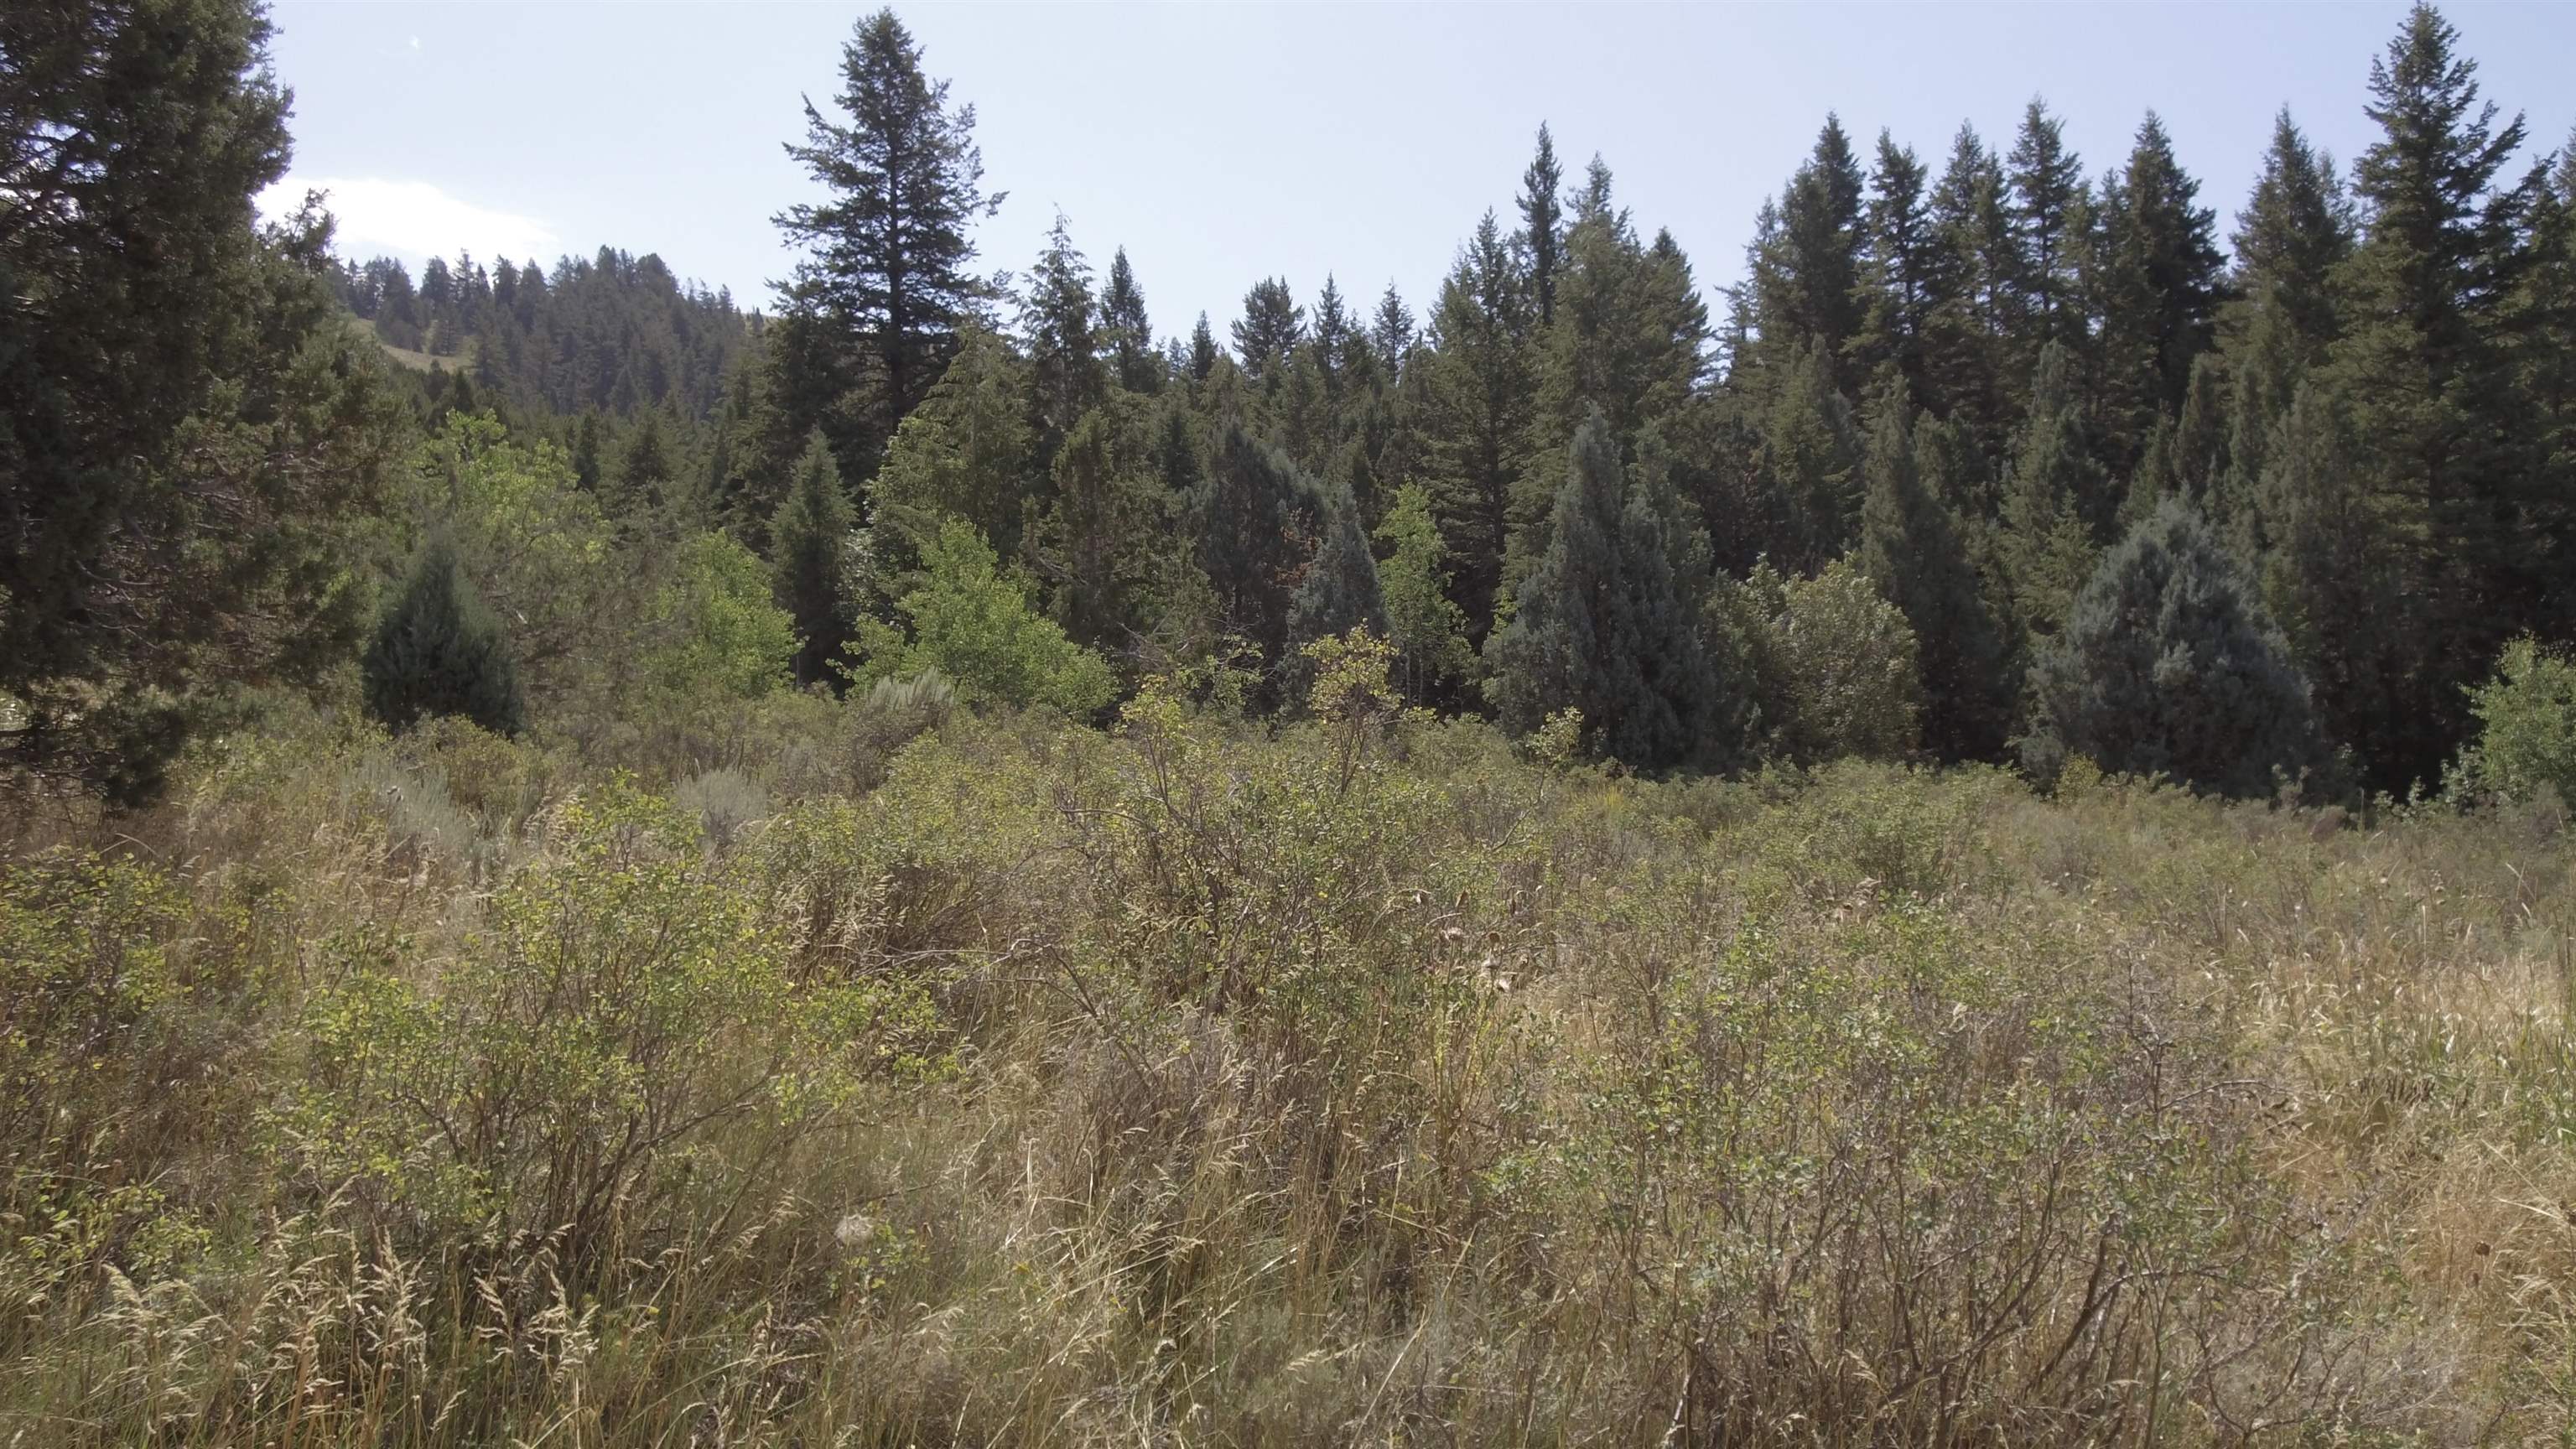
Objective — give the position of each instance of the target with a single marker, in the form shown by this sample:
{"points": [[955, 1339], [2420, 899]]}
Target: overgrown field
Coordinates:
{"points": [[1352, 1082]]}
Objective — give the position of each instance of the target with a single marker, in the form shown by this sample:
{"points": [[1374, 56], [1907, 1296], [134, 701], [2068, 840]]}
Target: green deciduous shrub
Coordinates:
{"points": [[1833, 664], [624, 1031], [2526, 743], [974, 626]]}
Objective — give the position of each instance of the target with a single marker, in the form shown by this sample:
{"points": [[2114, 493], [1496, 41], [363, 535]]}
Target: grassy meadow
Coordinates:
{"points": [[889, 1076]]}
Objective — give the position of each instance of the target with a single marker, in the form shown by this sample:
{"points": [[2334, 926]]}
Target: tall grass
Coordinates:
{"points": [[1353, 1082]]}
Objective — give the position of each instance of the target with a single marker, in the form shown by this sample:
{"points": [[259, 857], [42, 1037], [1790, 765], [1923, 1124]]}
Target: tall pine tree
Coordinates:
{"points": [[2432, 385], [887, 257], [1542, 235]]}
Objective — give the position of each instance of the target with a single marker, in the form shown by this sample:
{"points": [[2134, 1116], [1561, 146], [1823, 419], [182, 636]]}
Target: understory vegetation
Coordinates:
{"points": [[936, 1079]]}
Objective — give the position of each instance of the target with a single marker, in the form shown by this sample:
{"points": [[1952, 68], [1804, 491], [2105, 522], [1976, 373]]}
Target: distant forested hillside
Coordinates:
{"points": [[611, 333]]}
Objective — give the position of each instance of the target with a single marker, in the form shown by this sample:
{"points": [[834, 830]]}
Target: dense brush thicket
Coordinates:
{"points": [[1205, 1083]]}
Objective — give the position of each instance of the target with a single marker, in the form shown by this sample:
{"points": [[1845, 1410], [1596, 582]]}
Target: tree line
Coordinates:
{"points": [[1997, 458], [2132, 494]]}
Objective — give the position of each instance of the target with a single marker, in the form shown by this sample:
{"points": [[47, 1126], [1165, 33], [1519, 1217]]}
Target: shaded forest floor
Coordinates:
{"points": [[1354, 1082]]}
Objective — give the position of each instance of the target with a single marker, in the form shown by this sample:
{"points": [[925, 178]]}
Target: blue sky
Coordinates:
{"points": [[1220, 143]]}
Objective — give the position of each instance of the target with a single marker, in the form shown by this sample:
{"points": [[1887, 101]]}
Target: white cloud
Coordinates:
{"points": [[414, 220]]}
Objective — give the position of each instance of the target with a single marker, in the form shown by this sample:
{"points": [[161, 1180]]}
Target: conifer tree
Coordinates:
{"points": [[1630, 339], [2333, 572], [439, 651], [1245, 519], [1910, 547], [1327, 384], [1059, 320], [2150, 482], [1392, 332], [2049, 222], [1271, 327], [1806, 272], [888, 256], [2296, 230], [586, 469], [1129, 333], [1899, 266], [644, 475], [1975, 306], [2164, 285], [2196, 463], [2054, 500], [2432, 386], [1339, 590], [2170, 665], [1106, 544], [2546, 349], [1810, 456], [1203, 352], [810, 543], [1607, 621], [1542, 234], [186, 429], [1480, 398], [967, 452]]}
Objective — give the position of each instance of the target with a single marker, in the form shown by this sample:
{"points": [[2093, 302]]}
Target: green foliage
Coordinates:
{"points": [[1062, 322], [1272, 326], [1805, 261], [2472, 533], [1247, 517], [188, 434], [1628, 334], [2159, 284], [1479, 393], [973, 626], [888, 254], [967, 452], [1215, 1049], [1610, 621], [2526, 713], [2170, 665], [623, 1019], [84, 970], [439, 650], [2296, 230], [1130, 335], [1846, 666], [810, 544], [1108, 544], [1912, 549], [2056, 500], [1426, 627], [1288, 1064], [1339, 590], [1811, 454], [713, 630], [540, 548]]}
